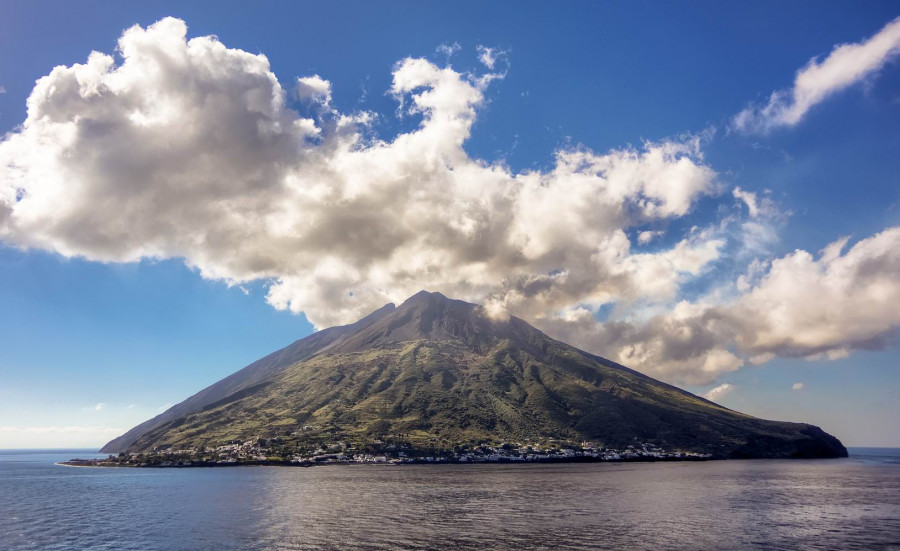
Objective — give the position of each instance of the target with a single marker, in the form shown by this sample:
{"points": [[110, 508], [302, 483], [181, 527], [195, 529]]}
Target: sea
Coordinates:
{"points": [[851, 503]]}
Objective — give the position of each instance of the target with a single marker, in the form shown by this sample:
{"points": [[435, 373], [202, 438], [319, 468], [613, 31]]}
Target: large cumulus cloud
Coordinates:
{"points": [[184, 148], [799, 306]]}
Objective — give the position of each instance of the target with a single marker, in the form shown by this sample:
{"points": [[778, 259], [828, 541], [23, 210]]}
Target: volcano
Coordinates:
{"points": [[441, 373]]}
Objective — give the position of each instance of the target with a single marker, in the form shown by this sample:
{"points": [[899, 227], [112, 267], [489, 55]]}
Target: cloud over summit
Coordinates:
{"points": [[185, 148]]}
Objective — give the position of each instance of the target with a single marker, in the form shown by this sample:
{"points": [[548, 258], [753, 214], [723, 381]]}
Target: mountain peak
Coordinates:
{"points": [[424, 294], [427, 297], [425, 315]]}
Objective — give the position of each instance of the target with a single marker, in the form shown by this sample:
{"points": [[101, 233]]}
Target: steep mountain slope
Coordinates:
{"points": [[246, 378], [439, 373]]}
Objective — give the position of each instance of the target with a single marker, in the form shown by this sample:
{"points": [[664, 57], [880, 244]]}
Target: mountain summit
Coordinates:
{"points": [[439, 373]]}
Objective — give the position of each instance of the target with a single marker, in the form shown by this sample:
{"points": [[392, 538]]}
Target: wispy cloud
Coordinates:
{"points": [[846, 65], [797, 386], [719, 392], [448, 49], [489, 57], [645, 237]]}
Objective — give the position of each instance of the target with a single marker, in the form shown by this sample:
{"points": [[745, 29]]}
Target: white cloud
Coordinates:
{"points": [[2, 90], [489, 56], [760, 359], [797, 386], [758, 234], [314, 88], [805, 306], [719, 392], [645, 237], [188, 149], [749, 199], [686, 344], [796, 306], [846, 65], [448, 49]]}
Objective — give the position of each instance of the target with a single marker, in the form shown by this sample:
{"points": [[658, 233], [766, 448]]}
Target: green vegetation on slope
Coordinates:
{"points": [[437, 374]]}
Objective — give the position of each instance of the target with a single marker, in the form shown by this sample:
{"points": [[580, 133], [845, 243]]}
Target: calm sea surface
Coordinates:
{"points": [[824, 504]]}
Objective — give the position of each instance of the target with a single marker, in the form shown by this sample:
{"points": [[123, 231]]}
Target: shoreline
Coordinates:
{"points": [[105, 463]]}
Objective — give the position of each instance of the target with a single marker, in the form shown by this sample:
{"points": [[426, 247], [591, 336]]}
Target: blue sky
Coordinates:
{"points": [[106, 318]]}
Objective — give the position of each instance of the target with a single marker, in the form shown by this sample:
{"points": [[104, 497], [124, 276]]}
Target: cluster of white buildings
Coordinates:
{"points": [[502, 453], [256, 451], [246, 451]]}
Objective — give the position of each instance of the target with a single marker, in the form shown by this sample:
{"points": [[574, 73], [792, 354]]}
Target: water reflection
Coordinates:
{"points": [[709, 505], [714, 505]]}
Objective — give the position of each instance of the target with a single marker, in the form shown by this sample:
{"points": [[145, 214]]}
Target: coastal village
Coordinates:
{"points": [[271, 452]]}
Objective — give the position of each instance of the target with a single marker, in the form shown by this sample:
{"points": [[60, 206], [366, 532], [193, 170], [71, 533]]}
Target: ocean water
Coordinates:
{"points": [[849, 503]]}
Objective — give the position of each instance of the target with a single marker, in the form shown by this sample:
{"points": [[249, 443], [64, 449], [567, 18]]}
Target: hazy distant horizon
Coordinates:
{"points": [[706, 194]]}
